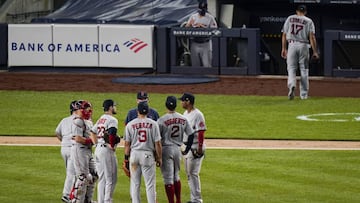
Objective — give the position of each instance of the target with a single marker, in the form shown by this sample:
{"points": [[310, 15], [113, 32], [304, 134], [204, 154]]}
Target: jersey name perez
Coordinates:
{"points": [[141, 125]]}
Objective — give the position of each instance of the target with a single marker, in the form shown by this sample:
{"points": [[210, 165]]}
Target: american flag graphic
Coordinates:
{"points": [[135, 44]]}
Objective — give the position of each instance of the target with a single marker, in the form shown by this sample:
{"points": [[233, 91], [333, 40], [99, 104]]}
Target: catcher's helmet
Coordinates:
{"points": [[72, 106], [85, 107]]}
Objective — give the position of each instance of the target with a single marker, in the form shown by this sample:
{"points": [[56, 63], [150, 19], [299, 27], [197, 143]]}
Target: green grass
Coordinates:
{"points": [[243, 117], [36, 174]]}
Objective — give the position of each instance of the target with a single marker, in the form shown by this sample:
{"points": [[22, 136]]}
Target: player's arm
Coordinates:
{"points": [[59, 136], [158, 150], [83, 140], [93, 137], [58, 131], [113, 137], [283, 45], [313, 45], [190, 22], [188, 144], [126, 163], [201, 137]]}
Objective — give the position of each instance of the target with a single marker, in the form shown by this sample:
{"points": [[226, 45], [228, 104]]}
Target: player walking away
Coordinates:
{"points": [[81, 153], [201, 47], [174, 131], [194, 158], [105, 157], [142, 150], [132, 114], [298, 31], [64, 134]]}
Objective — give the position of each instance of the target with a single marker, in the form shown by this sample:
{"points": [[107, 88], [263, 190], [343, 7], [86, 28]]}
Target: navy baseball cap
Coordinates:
{"points": [[107, 103], [187, 97], [142, 95], [170, 102], [143, 108], [301, 8]]}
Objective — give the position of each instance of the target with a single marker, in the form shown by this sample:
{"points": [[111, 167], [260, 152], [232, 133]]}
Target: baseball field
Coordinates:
{"points": [[36, 173]]}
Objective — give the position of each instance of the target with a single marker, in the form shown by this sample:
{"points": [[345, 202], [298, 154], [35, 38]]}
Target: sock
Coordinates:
{"points": [[170, 191], [177, 186]]}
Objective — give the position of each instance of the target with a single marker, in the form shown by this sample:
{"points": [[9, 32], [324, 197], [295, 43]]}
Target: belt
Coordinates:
{"points": [[82, 146], [296, 41], [201, 40], [101, 145]]}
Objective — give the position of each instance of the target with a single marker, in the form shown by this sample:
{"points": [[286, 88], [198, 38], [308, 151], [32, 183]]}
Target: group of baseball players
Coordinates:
{"points": [[150, 141]]}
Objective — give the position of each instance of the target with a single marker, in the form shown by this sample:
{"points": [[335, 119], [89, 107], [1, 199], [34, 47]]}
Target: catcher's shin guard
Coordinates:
{"points": [[91, 188], [77, 194]]}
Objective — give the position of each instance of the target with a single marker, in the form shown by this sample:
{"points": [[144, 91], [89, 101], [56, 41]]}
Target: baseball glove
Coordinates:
{"points": [[106, 136], [126, 168], [111, 139], [196, 154]]}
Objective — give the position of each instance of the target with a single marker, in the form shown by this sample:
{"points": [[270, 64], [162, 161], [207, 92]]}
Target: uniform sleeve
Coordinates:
{"points": [[200, 122], [132, 114], [79, 127], [161, 127], [127, 134], [285, 26], [156, 115], [312, 27], [156, 132], [58, 128], [113, 123]]}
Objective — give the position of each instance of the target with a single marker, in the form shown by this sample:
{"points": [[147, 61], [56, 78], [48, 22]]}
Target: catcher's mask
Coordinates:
{"points": [[85, 108]]}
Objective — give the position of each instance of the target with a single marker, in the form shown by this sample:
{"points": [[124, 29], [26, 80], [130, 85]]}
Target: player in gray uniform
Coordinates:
{"points": [[299, 33], [194, 158], [81, 153], [175, 130], [105, 156], [201, 47], [142, 151], [64, 134]]}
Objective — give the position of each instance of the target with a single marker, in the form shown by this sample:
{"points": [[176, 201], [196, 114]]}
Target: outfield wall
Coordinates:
{"points": [[87, 45]]}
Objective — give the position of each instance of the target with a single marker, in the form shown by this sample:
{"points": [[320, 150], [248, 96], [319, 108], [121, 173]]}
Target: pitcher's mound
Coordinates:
{"points": [[165, 79]]}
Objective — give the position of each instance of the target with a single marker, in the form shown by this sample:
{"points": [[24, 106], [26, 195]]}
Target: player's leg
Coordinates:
{"points": [[114, 173], [83, 176], [135, 178], [195, 50], [91, 186], [177, 183], [100, 162], [292, 64], [304, 72], [206, 54], [194, 175], [188, 169], [149, 172], [167, 169], [70, 173], [109, 168]]}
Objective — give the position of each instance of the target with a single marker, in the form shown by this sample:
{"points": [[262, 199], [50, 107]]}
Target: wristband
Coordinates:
{"points": [[88, 141]]}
